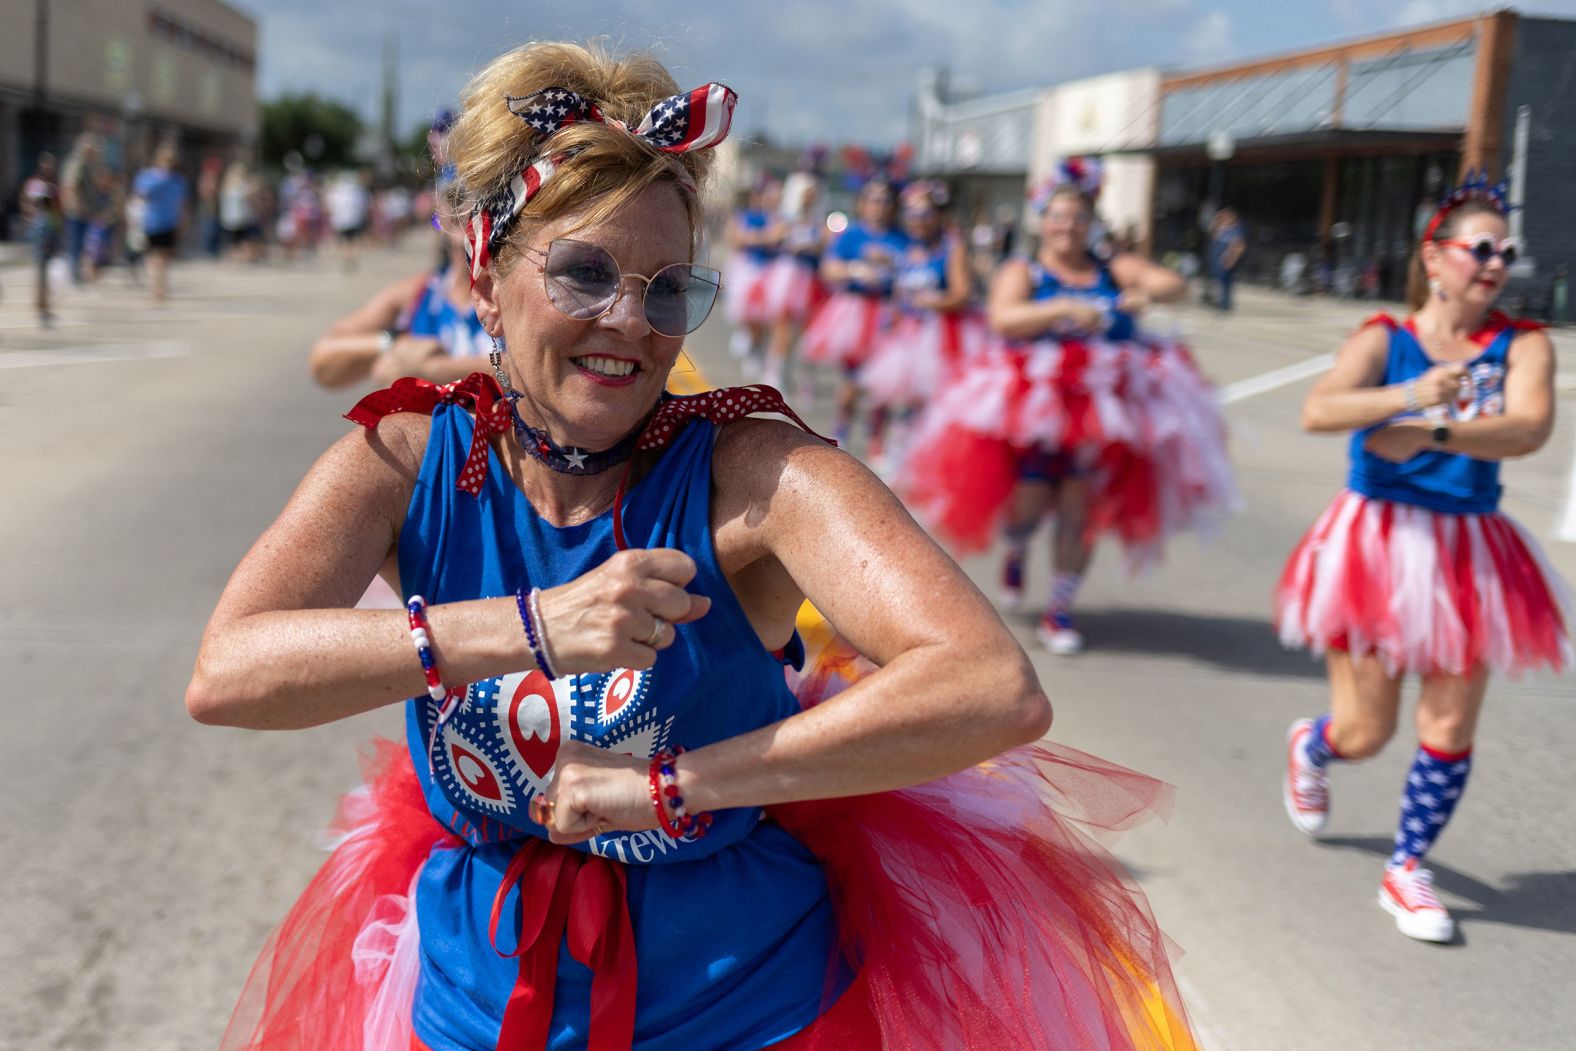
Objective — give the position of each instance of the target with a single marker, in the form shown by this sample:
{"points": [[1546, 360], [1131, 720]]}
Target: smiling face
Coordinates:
{"points": [[875, 205], [1460, 275], [590, 383], [1064, 228]]}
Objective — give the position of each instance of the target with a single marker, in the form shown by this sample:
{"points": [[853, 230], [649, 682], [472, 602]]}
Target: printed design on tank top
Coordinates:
{"points": [[1482, 392], [501, 746]]}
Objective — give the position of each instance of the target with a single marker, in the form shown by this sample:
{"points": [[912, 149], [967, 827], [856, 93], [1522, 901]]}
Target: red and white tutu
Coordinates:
{"points": [[745, 284], [979, 910], [1426, 592], [844, 331], [920, 353], [1139, 413], [791, 289]]}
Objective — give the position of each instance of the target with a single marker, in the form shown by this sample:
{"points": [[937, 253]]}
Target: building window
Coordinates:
{"points": [[175, 30]]}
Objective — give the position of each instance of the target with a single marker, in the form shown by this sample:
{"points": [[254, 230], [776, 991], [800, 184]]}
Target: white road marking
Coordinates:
{"points": [[22, 359], [1253, 385]]}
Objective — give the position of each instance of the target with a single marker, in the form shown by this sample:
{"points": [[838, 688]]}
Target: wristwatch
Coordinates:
{"points": [[1440, 434]]}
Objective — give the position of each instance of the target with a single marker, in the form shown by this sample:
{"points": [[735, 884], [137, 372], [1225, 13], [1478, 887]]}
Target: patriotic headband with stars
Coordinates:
{"points": [[1086, 173], [1475, 187], [695, 120]]}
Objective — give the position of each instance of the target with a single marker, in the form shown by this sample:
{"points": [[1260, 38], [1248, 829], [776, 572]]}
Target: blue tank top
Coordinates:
{"points": [[1452, 483], [880, 248], [432, 314], [921, 268], [754, 219], [734, 933], [1104, 294], [803, 241]]}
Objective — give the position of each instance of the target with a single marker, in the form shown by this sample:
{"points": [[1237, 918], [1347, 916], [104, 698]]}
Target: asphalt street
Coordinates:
{"points": [[145, 857]]}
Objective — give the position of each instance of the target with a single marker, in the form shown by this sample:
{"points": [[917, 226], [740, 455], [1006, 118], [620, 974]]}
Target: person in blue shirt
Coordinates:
{"points": [[1413, 571], [1226, 247], [598, 576], [163, 192], [755, 234], [858, 266]]}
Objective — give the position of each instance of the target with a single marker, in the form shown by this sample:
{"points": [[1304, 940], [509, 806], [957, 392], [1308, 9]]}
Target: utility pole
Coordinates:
{"points": [[389, 116]]}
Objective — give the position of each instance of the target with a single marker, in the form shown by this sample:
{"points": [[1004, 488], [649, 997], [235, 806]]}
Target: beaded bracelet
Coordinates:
{"points": [[448, 700], [663, 780], [530, 606], [1409, 389]]}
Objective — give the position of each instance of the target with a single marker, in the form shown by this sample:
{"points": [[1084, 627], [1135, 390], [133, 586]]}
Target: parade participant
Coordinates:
{"points": [[424, 326], [39, 203], [792, 285], [932, 333], [615, 572], [1413, 570], [1076, 413], [755, 233], [858, 267]]}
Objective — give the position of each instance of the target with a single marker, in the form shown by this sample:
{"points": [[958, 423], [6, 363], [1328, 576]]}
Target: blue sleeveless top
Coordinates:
{"points": [[1452, 483], [921, 268], [432, 314], [803, 242], [879, 247], [734, 933], [754, 219], [1104, 294]]}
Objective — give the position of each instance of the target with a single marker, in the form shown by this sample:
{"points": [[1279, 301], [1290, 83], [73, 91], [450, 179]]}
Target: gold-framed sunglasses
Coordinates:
{"points": [[583, 281]]}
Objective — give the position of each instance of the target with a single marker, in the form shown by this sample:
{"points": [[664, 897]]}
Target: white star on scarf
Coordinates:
{"points": [[576, 458]]}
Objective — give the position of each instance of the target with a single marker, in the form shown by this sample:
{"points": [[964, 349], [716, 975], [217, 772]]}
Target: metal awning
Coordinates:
{"points": [[1341, 142]]}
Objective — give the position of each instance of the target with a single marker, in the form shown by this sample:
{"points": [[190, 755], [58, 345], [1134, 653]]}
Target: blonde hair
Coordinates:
{"points": [[490, 145]]}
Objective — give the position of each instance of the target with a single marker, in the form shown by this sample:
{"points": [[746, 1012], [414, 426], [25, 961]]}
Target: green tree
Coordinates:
{"points": [[323, 131]]}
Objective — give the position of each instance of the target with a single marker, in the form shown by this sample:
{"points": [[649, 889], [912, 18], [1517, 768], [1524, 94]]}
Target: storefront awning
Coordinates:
{"points": [[1326, 142]]}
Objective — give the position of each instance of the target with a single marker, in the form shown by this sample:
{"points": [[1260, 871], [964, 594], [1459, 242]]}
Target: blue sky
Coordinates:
{"points": [[809, 70]]}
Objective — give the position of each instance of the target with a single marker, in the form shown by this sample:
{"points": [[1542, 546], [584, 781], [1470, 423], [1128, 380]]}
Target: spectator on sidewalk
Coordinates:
{"points": [[1226, 246], [41, 216], [78, 178], [163, 193], [239, 213]]}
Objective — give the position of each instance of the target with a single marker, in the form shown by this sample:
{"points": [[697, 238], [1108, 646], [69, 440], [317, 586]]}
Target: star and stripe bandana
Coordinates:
{"points": [[696, 120]]}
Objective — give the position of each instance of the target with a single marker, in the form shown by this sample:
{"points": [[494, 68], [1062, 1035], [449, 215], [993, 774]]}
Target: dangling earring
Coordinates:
{"points": [[1436, 289], [496, 357]]}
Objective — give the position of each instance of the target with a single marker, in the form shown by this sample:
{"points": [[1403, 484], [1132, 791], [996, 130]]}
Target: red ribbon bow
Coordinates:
{"points": [[409, 394], [563, 891]]}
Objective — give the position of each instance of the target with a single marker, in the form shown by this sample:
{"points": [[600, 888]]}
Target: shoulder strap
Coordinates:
{"points": [[1380, 318]]}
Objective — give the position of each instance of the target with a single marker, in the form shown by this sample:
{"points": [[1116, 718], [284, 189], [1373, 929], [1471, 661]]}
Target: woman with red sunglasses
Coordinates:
{"points": [[1413, 570]]}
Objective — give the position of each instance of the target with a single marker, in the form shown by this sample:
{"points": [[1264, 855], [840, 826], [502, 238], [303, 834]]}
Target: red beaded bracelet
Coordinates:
{"points": [[663, 780]]}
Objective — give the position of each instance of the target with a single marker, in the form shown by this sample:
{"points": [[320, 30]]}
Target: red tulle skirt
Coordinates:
{"points": [[1140, 414], [845, 329], [919, 354], [746, 301], [979, 911], [790, 290], [1426, 592]]}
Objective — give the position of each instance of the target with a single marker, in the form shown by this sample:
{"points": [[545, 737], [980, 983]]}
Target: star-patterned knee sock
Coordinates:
{"points": [[1064, 591], [1318, 750], [1433, 788]]}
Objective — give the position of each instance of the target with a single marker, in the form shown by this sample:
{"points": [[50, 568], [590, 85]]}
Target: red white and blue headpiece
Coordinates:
{"points": [[1085, 173], [695, 120], [1475, 187]]}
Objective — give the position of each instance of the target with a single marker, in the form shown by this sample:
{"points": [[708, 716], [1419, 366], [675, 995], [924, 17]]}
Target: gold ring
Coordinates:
{"points": [[656, 633]]}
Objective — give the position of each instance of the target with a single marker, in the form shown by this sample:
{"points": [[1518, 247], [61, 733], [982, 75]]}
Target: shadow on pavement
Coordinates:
{"points": [[1234, 643], [1537, 900]]}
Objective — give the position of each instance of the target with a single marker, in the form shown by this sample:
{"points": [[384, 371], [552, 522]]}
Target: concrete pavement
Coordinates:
{"points": [[147, 857]]}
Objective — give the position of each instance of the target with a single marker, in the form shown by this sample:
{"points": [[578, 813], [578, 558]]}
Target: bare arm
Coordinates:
{"points": [[1523, 429], [1158, 284], [1013, 314], [956, 293], [346, 352], [1349, 397]]}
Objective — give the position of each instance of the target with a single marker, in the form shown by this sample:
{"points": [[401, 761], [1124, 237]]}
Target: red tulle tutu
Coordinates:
{"points": [[1427, 592], [845, 329], [790, 290], [978, 908], [1139, 413], [746, 291], [919, 354]]}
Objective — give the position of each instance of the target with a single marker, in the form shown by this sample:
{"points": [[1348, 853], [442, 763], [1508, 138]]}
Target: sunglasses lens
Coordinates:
{"points": [[1482, 250], [680, 298], [1509, 253], [581, 279]]}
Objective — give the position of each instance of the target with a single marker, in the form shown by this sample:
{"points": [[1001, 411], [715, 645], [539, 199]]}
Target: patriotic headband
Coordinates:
{"points": [[695, 120], [1085, 173], [1475, 187]]}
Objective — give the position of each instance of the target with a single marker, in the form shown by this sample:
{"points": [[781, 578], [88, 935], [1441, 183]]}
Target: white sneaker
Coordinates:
{"points": [[1057, 634], [1305, 788], [1407, 893]]}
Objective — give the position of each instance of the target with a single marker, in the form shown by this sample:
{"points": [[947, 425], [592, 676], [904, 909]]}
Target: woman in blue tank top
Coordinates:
{"points": [[1413, 570], [423, 325], [1075, 413], [598, 574]]}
